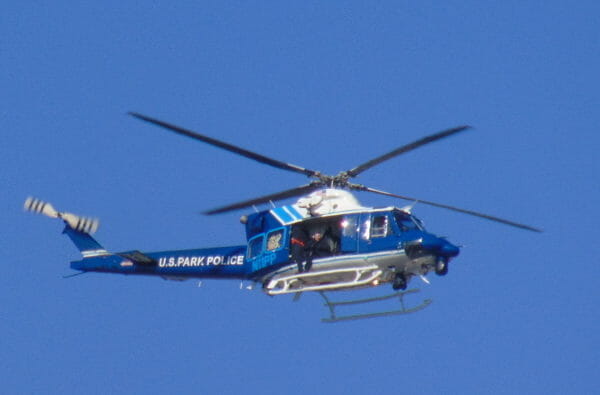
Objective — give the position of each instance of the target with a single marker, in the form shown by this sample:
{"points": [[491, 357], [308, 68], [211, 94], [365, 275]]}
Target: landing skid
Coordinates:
{"points": [[400, 295]]}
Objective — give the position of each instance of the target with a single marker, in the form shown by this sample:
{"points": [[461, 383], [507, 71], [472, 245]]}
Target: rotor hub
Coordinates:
{"points": [[328, 201]]}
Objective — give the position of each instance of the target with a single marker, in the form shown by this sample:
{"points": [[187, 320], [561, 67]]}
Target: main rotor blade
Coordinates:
{"points": [[268, 198], [228, 147], [405, 148], [460, 210]]}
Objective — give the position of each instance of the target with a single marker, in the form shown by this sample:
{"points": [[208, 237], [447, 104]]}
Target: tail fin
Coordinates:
{"points": [[77, 228], [86, 244]]}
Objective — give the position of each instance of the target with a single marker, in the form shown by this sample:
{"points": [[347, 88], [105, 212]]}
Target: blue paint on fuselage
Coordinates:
{"points": [[221, 262], [370, 231]]}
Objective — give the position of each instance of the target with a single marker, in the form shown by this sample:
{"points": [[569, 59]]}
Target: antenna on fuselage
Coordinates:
{"points": [[408, 209]]}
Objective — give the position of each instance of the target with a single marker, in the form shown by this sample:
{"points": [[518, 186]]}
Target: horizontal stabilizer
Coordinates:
{"points": [[138, 258], [80, 224]]}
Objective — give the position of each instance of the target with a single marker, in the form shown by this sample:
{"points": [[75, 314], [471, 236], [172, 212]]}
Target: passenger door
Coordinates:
{"points": [[377, 232]]}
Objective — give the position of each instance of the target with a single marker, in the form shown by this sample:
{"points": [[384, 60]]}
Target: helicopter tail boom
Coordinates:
{"points": [[219, 262]]}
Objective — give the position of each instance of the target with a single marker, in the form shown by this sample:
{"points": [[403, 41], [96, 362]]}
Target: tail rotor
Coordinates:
{"points": [[81, 224]]}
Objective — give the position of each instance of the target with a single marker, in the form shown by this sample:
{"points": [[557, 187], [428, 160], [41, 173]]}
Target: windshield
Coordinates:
{"points": [[406, 221]]}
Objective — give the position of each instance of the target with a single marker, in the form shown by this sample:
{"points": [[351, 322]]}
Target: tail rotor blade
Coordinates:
{"points": [[40, 207], [80, 224]]}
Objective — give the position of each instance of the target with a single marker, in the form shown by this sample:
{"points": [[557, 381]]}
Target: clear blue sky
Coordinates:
{"points": [[327, 86]]}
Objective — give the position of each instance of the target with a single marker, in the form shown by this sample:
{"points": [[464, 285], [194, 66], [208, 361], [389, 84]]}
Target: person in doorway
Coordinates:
{"points": [[320, 244], [299, 242]]}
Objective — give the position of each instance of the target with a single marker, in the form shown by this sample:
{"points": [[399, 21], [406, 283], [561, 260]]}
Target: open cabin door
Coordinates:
{"points": [[325, 236]]}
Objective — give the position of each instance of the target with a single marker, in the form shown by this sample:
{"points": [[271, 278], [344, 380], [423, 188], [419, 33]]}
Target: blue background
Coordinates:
{"points": [[326, 85]]}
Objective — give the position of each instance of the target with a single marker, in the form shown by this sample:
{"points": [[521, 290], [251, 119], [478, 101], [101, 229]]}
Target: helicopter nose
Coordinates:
{"points": [[449, 250], [440, 245], [432, 244]]}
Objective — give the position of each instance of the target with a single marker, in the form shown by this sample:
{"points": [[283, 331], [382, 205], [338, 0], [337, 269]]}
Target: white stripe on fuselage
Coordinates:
{"points": [[323, 263], [93, 253]]}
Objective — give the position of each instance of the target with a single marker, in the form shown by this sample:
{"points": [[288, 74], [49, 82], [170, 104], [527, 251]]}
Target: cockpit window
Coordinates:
{"points": [[406, 222]]}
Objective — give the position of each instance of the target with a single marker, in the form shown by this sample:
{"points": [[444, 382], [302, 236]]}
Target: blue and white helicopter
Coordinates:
{"points": [[325, 241]]}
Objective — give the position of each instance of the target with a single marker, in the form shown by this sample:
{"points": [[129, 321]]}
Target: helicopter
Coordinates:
{"points": [[326, 241]]}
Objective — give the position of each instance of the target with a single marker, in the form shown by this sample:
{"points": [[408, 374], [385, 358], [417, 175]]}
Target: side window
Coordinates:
{"points": [[255, 246], [379, 226], [275, 240]]}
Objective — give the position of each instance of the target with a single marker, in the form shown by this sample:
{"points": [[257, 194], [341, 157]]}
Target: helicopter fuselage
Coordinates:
{"points": [[360, 247]]}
